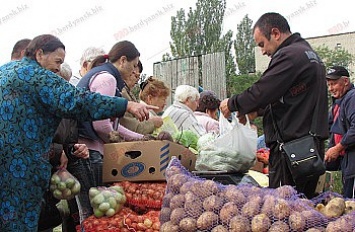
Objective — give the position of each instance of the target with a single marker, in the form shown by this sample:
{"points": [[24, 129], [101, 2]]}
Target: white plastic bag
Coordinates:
{"points": [[234, 150]]}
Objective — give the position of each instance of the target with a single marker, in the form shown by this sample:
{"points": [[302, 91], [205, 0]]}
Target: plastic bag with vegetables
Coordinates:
{"points": [[106, 201], [64, 185]]}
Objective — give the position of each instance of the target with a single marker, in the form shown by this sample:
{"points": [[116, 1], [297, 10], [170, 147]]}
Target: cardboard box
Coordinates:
{"points": [[143, 160]]}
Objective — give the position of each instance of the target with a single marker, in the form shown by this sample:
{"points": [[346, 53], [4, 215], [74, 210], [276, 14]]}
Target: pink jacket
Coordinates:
{"points": [[105, 84], [207, 122]]}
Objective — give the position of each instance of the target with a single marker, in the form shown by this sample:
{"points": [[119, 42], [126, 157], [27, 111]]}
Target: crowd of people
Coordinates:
{"points": [[52, 118]]}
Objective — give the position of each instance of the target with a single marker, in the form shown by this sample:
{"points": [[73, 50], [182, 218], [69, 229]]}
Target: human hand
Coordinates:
{"points": [[63, 161], [140, 111], [242, 118], [157, 121], [332, 153], [81, 151], [224, 108], [262, 155], [252, 115]]}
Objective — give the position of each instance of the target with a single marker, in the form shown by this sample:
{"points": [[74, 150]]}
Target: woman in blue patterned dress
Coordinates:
{"points": [[33, 100]]}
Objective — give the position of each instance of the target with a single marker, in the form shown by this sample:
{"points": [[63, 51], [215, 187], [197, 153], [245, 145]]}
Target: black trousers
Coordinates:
{"points": [[279, 174], [349, 188]]}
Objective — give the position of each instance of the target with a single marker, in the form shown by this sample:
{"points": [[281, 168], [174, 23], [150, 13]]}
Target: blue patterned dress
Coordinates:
{"points": [[32, 102]]}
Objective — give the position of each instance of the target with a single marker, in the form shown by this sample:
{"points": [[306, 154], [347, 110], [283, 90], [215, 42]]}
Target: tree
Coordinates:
{"points": [[336, 56], [244, 46], [200, 33]]}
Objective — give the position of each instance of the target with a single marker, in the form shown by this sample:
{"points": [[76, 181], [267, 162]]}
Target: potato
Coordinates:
{"points": [[193, 205], [349, 206], [296, 221], [239, 223], [268, 205], [188, 224], [286, 192], [219, 228], [207, 220], [260, 223], [164, 214], [204, 188], [334, 208], [169, 227], [279, 226], [306, 202], [343, 224], [212, 203], [333, 227], [177, 215], [211, 186], [176, 181], [252, 207], [228, 211], [166, 199], [281, 209], [233, 194], [177, 201], [311, 217], [186, 186]]}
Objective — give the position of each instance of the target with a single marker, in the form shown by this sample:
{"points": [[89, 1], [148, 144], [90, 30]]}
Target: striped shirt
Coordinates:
{"points": [[184, 118]]}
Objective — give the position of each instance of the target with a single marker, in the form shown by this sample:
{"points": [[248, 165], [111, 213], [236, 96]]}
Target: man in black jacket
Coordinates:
{"points": [[292, 85]]}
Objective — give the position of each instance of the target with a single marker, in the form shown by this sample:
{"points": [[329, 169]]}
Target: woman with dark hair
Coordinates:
{"points": [[207, 111], [33, 100], [105, 77]]}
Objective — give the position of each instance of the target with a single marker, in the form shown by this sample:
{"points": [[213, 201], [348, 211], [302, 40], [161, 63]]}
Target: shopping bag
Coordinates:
{"points": [[168, 126], [234, 150]]}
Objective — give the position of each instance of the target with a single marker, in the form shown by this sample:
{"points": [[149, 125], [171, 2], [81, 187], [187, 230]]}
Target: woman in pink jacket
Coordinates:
{"points": [[207, 111]]}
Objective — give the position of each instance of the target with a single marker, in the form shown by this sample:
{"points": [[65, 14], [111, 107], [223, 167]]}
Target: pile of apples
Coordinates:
{"points": [[64, 185], [107, 201]]}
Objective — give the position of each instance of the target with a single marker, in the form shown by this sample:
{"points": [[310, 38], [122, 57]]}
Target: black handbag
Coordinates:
{"points": [[302, 157]]}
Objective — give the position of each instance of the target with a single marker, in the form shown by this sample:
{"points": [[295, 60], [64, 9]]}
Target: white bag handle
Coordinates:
{"points": [[224, 125]]}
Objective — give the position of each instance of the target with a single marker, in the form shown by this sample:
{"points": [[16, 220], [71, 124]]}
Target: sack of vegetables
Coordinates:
{"points": [[106, 201], [195, 204], [64, 185]]}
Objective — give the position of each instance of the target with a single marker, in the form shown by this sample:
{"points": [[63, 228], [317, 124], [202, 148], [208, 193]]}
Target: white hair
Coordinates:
{"points": [[65, 71], [90, 54], [183, 92]]}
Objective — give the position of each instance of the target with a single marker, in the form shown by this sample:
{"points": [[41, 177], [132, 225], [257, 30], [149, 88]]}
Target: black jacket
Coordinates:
{"points": [[291, 85], [64, 139]]}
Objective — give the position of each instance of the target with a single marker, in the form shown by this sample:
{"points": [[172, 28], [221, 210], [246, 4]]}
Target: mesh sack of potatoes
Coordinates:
{"points": [[192, 203]]}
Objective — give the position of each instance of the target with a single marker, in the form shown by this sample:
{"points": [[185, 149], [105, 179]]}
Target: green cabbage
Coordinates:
{"points": [[186, 138]]}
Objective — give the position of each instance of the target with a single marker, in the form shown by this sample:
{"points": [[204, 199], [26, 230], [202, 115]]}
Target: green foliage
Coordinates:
{"points": [[239, 83], [244, 46], [200, 32], [336, 56]]}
